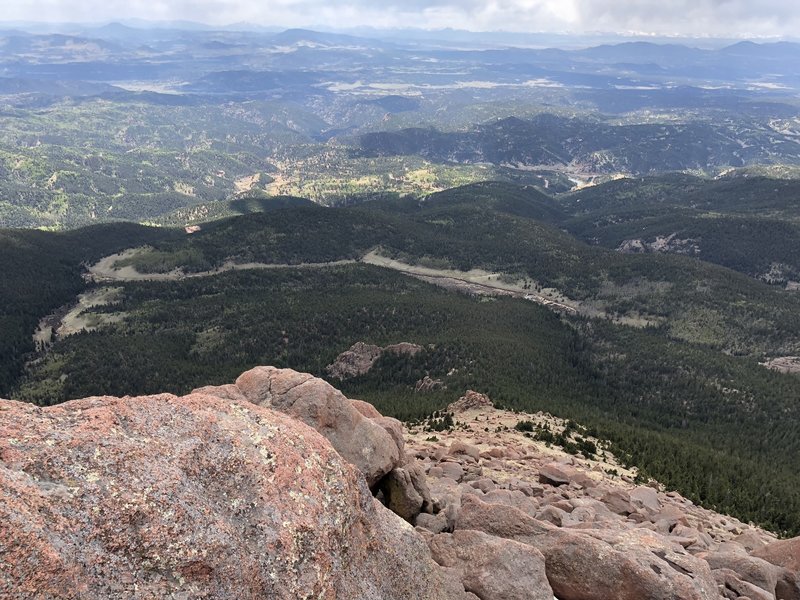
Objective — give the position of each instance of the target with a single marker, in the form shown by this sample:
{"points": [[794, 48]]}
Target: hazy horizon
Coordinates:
{"points": [[734, 19]]}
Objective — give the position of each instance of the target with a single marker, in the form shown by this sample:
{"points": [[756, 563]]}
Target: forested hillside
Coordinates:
{"points": [[511, 230], [41, 271], [751, 225], [677, 410]]}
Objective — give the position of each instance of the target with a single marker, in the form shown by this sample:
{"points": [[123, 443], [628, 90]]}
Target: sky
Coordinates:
{"points": [[719, 18]]}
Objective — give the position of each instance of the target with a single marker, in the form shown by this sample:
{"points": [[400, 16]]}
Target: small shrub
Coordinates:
{"points": [[524, 426]]}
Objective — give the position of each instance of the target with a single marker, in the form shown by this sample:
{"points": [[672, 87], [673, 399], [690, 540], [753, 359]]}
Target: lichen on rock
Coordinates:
{"points": [[196, 497]]}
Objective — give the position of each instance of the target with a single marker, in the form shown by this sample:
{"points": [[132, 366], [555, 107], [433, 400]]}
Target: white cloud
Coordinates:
{"points": [[735, 18]]}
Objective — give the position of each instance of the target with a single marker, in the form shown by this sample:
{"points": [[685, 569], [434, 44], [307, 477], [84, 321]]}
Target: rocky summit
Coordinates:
{"points": [[278, 486]]}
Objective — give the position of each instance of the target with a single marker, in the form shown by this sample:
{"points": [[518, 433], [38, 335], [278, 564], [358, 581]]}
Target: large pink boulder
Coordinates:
{"points": [[751, 569], [784, 553], [360, 440], [556, 474], [491, 567], [193, 497]]}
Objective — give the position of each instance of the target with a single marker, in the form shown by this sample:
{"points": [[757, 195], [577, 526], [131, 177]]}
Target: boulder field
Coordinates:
{"points": [[278, 486]]}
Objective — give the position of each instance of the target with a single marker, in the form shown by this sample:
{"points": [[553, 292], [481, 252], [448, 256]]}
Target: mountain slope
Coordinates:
{"points": [[665, 394]]}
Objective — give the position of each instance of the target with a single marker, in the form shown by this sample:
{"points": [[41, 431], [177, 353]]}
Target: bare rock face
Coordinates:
{"points": [[394, 428], [420, 482], [491, 567], [361, 441], [360, 358], [355, 361], [193, 497], [428, 384], [366, 409], [226, 392], [469, 401]]}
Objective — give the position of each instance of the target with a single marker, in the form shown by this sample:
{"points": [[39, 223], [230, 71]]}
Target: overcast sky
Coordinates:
{"points": [[728, 18]]}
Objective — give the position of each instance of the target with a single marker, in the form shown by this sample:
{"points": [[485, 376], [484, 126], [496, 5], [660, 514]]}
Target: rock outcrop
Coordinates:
{"points": [[360, 440], [428, 384], [669, 244], [357, 360], [470, 401], [193, 497], [370, 441], [360, 358]]}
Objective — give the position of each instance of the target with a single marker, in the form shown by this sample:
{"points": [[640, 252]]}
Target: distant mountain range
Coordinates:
{"points": [[182, 49]]}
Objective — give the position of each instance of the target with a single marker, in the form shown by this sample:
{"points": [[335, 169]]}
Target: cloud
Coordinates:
{"points": [[734, 18]]}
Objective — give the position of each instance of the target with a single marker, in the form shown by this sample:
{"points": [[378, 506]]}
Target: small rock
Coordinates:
{"points": [[459, 447], [436, 471], [484, 485], [556, 474], [452, 470], [645, 498], [433, 523], [553, 515]]}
